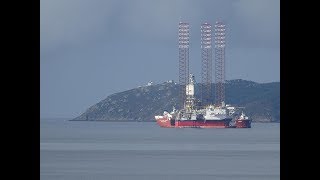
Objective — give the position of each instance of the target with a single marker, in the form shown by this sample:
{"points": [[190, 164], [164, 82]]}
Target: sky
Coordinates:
{"points": [[90, 49]]}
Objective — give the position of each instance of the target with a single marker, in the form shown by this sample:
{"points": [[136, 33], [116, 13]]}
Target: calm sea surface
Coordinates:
{"points": [[75, 150]]}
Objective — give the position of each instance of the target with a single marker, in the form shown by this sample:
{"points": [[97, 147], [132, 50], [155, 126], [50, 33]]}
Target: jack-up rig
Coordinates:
{"points": [[204, 114]]}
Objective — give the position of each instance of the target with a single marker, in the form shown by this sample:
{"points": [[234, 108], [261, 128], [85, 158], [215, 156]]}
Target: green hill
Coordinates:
{"points": [[261, 102]]}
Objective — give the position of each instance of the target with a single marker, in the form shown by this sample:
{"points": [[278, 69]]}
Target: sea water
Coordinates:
{"points": [[91, 150]]}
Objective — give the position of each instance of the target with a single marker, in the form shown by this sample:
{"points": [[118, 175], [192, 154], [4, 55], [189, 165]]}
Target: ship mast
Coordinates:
{"points": [[183, 60], [206, 68], [220, 44]]}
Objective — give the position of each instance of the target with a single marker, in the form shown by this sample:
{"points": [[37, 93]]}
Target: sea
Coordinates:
{"points": [[93, 150]]}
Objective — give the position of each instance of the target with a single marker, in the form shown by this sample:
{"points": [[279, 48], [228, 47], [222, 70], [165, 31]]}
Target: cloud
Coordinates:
{"points": [[73, 21], [81, 22], [257, 22]]}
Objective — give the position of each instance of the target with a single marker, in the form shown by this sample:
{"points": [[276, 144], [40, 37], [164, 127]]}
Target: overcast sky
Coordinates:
{"points": [[93, 48]]}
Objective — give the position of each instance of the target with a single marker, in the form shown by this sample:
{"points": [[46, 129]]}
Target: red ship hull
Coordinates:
{"points": [[243, 123], [166, 123]]}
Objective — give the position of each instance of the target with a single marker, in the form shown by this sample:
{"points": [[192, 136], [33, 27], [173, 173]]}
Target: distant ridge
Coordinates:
{"points": [[261, 101]]}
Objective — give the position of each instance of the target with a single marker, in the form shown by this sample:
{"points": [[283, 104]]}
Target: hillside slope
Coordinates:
{"points": [[261, 102]]}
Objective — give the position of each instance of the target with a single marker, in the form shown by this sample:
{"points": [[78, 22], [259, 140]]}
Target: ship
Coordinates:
{"points": [[243, 121], [209, 117], [194, 116]]}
